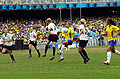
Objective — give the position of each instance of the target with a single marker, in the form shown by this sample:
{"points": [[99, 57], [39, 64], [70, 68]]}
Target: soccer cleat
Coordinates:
{"points": [[86, 60], [44, 55], [60, 59], [13, 61], [59, 53], [52, 58], [30, 56], [107, 63], [38, 55]]}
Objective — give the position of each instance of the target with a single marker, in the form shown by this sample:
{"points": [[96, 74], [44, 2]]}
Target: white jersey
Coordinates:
{"points": [[1, 41], [32, 36], [83, 36], [7, 37], [52, 28]]}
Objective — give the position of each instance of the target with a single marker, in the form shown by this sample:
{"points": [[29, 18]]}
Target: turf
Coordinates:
{"points": [[71, 68]]}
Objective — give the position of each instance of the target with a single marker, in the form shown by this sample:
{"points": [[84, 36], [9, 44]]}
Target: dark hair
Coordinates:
{"points": [[82, 22], [111, 22]]}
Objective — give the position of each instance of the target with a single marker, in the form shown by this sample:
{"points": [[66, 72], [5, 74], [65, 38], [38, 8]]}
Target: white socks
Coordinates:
{"points": [[117, 52], [61, 51], [108, 56]]}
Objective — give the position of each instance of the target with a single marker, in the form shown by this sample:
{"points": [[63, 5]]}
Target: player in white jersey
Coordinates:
{"points": [[7, 42], [33, 41], [83, 40], [1, 42], [53, 36]]}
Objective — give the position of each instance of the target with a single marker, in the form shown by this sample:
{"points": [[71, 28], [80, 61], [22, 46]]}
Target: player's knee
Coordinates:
{"points": [[79, 50], [3, 52], [113, 51], [108, 49]]}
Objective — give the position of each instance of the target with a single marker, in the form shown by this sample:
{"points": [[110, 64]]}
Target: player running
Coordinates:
{"points": [[33, 41], [83, 40], [68, 34], [7, 42], [111, 32], [53, 36]]}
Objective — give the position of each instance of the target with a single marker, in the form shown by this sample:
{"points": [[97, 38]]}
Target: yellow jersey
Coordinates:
{"points": [[111, 31], [68, 33]]}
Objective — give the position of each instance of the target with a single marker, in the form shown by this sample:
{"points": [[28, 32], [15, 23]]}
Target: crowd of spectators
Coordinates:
{"points": [[19, 29]]}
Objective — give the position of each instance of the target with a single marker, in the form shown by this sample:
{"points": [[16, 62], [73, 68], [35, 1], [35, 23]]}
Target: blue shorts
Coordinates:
{"points": [[113, 42], [8, 47], [69, 42]]}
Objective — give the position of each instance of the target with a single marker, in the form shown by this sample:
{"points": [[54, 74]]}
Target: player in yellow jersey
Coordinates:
{"points": [[68, 34], [111, 32]]}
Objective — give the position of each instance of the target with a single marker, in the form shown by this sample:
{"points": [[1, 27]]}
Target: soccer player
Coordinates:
{"points": [[7, 42], [111, 32], [83, 40], [33, 41], [68, 34], [53, 36]]}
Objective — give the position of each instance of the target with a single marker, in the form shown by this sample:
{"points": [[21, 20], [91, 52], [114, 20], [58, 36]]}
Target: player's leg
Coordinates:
{"points": [[37, 50], [46, 47], [108, 54], [30, 55], [0, 49], [54, 43], [115, 51], [82, 52], [64, 44], [11, 55], [4, 51]]}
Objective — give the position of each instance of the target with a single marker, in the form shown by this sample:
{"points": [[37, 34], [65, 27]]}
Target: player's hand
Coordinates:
{"points": [[34, 41], [79, 37], [43, 29], [114, 35]]}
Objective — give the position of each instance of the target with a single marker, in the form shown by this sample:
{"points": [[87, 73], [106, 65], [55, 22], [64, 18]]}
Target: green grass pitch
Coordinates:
{"points": [[71, 68]]}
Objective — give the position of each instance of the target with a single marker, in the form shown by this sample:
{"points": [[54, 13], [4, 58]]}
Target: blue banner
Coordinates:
{"points": [[31, 6], [51, 6], [112, 4], [4, 7], [101, 4], [45, 6], [61, 5], [118, 4], [38, 6], [91, 5], [81, 5], [24, 7], [11, 7], [18, 7], [71, 5]]}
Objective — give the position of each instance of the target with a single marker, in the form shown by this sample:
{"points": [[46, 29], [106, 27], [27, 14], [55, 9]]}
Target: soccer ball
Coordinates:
{"points": [[66, 30]]}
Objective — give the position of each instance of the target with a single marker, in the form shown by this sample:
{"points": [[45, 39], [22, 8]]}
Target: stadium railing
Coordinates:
{"points": [[21, 2]]}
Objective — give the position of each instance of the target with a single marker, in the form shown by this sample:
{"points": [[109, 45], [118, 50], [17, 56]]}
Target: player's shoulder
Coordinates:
{"points": [[81, 26], [113, 26]]}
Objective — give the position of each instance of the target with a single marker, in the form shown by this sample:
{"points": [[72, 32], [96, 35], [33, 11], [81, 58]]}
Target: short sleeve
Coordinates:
{"points": [[35, 34], [49, 26], [10, 36], [72, 31], [115, 28]]}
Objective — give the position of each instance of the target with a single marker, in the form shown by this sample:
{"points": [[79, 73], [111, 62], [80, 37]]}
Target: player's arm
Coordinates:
{"points": [[35, 38], [11, 39], [103, 34], [80, 33], [46, 30], [117, 30]]}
